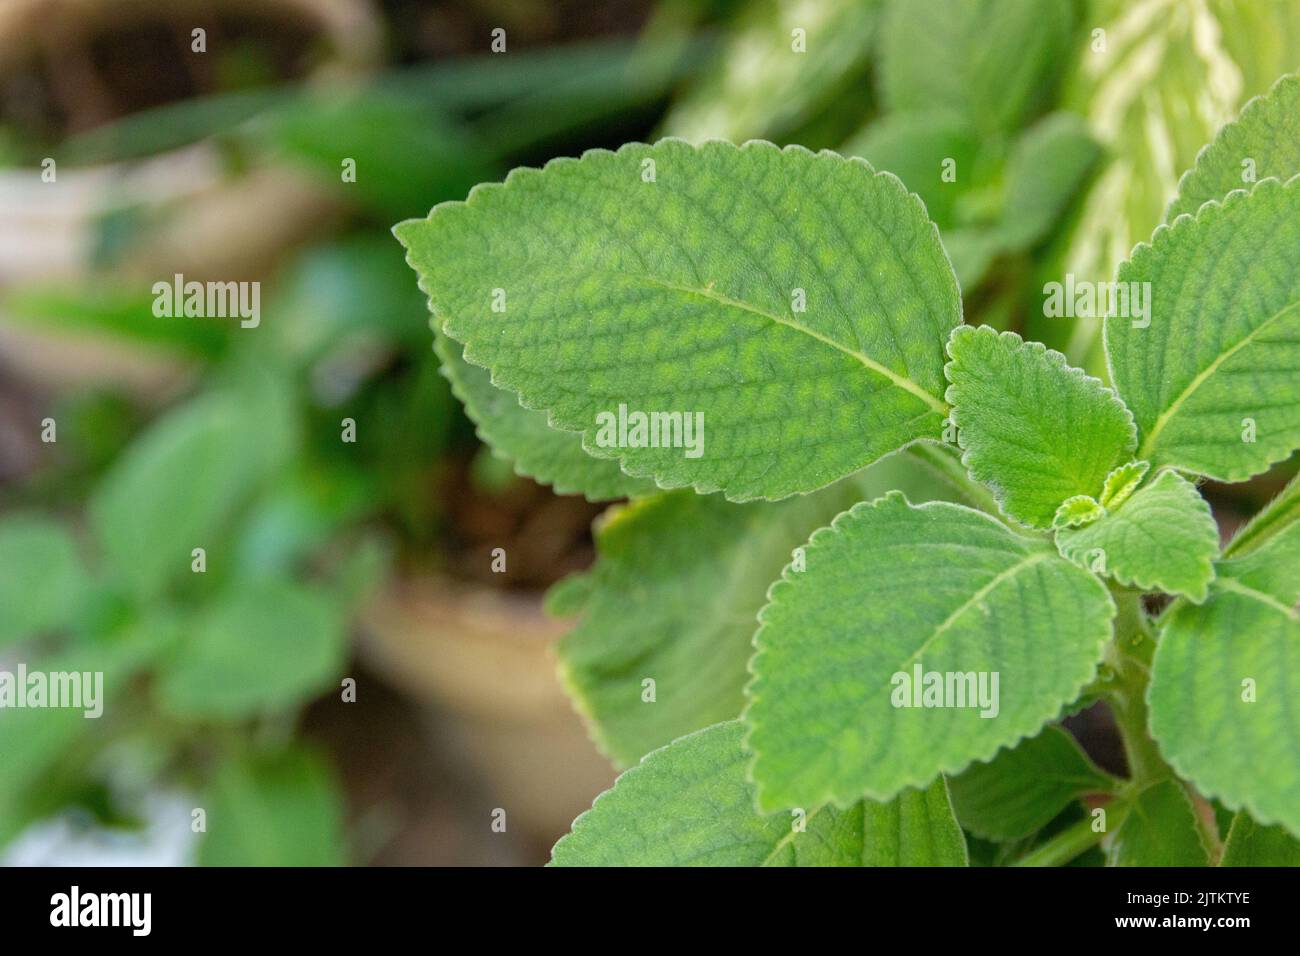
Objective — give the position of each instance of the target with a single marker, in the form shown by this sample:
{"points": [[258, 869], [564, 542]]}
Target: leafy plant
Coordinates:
{"points": [[912, 657]]}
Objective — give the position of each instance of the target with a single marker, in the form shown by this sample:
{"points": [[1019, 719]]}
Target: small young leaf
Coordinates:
{"points": [[690, 804], [798, 302], [1033, 429], [1264, 141], [42, 580], [1023, 788], [1162, 539], [1159, 830], [1212, 373], [547, 455], [1077, 511], [1249, 844], [893, 592], [1122, 482], [267, 646], [1222, 707]]}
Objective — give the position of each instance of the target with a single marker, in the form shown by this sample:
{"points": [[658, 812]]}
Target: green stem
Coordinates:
{"points": [[1130, 657], [1073, 840]]}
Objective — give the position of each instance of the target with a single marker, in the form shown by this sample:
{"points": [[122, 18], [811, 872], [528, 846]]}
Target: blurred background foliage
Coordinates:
{"points": [[331, 563]]}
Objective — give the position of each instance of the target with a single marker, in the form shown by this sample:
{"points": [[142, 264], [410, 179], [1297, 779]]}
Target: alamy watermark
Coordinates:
{"points": [[1082, 299], [209, 300], [635, 429], [942, 689], [79, 690]]}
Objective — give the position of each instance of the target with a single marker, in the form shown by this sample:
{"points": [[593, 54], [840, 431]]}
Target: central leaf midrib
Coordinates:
{"points": [[1203, 376], [901, 381]]}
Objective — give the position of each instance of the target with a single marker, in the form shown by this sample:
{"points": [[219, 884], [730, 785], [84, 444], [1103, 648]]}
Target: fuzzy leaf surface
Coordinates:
{"points": [[890, 588], [684, 294]]}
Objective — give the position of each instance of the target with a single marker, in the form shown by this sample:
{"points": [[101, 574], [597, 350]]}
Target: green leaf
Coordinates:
{"points": [[1159, 829], [547, 455], [1122, 482], [890, 590], [42, 580], [1033, 429], [1221, 699], [674, 596], [1077, 511], [177, 487], [690, 804], [760, 85], [283, 809], [267, 646], [1263, 141], [683, 294], [1023, 788], [1276, 517], [1162, 539], [1045, 171], [1214, 378], [1250, 844], [990, 61]]}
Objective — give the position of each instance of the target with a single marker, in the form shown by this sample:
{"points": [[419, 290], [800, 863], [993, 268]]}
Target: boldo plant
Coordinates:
{"points": [[978, 540]]}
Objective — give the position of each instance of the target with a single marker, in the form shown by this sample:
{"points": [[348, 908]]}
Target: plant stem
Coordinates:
{"points": [[1073, 840], [1130, 656]]}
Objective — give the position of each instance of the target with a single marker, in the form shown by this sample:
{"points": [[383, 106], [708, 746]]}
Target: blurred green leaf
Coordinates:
{"points": [[177, 487], [280, 810], [269, 645], [42, 580]]}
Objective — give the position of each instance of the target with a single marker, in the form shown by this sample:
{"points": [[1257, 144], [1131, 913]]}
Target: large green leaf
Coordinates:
{"points": [[268, 645], [548, 455], [991, 61], [674, 596], [684, 294], [42, 580], [1263, 141], [1160, 829], [1214, 378], [1163, 538], [890, 590], [1249, 844], [1033, 429], [1223, 684], [690, 804], [1023, 788], [281, 809]]}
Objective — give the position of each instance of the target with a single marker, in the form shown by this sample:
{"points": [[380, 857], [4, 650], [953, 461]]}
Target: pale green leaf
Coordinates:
{"points": [[269, 645], [1160, 829], [1045, 171], [1033, 429], [547, 455], [1249, 844], [1023, 788], [891, 590], [1122, 482], [1263, 141], [1077, 511], [1277, 516], [1212, 374], [674, 597], [281, 809], [42, 579], [760, 85], [988, 60], [682, 292], [1222, 685], [1162, 539], [690, 804]]}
